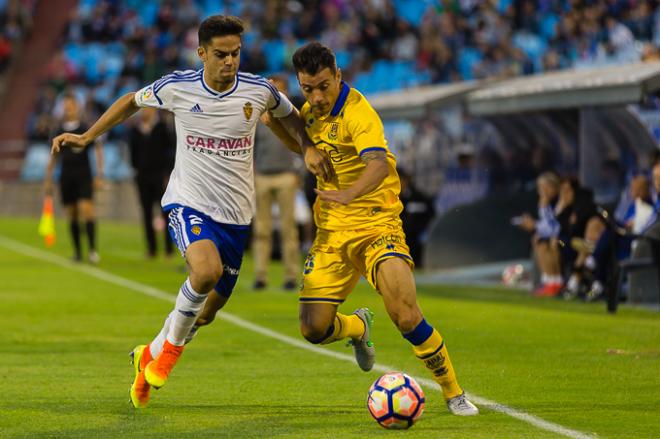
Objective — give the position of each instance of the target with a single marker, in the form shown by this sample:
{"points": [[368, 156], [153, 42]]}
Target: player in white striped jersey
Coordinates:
{"points": [[210, 192]]}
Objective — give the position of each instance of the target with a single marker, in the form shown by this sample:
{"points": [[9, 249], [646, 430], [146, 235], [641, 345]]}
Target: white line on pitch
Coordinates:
{"points": [[33, 252]]}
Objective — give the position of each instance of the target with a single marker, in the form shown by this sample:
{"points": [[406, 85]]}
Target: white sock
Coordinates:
{"points": [[189, 304], [544, 279], [156, 344], [555, 279]]}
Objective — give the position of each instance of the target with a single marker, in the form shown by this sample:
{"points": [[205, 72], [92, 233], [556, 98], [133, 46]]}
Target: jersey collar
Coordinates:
{"points": [[215, 93], [341, 99]]}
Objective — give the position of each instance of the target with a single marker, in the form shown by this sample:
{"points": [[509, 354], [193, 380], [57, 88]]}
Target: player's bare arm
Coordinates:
{"points": [[373, 175], [281, 133], [317, 161], [98, 151], [119, 111], [48, 178]]}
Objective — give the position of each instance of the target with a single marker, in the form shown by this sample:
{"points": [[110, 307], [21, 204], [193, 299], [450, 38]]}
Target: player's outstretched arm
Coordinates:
{"points": [[372, 176], [316, 161], [119, 111]]}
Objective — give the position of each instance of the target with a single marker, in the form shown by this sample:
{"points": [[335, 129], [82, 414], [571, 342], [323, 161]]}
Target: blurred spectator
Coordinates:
{"points": [[15, 26], [655, 176], [76, 183], [642, 208], [595, 260], [619, 37], [5, 51], [152, 149], [276, 182], [576, 211], [60, 72], [545, 231], [418, 211]]}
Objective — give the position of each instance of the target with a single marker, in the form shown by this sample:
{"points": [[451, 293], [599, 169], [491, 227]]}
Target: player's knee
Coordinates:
{"points": [[313, 333], [205, 277], [594, 229], [406, 323], [405, 319]]}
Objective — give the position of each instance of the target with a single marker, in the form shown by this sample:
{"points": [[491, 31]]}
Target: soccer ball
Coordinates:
{"points": [[396, 400], [513, 275]]}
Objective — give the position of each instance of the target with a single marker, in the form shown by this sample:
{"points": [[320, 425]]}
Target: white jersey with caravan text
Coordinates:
{"points": [[213, 171]]}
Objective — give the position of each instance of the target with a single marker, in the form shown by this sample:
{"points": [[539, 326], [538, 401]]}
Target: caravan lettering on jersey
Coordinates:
{"points": [[214, 143]]}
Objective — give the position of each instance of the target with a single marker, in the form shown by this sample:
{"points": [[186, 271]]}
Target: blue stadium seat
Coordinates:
{"points": [[114, 166], [413, 10], [548, 27], [503, 5], [274, 52], [36, 162], [467, 59], [343, 58], [75, 53], [148, 11], [363, 82], [533, 46]]}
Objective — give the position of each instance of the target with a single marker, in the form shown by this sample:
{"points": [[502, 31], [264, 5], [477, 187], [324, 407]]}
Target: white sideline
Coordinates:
{"points": [[33, 252]]}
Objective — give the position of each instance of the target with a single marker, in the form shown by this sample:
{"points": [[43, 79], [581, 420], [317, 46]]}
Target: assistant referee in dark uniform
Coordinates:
{"points": [[76, 181]]}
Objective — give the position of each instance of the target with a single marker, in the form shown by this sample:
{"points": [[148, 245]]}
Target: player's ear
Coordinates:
{"points": [[201, 52], [338, 75]]}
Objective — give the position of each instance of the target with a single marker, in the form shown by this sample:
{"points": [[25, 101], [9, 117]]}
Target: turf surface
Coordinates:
{"points": [[64, 368]]}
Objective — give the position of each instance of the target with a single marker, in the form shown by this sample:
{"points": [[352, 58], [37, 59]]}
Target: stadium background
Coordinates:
{"points": [[519, 87], [440, 72]]}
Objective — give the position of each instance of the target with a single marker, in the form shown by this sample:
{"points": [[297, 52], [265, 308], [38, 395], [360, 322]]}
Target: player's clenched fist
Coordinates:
{"points": [[68, 139], [318, 162]]}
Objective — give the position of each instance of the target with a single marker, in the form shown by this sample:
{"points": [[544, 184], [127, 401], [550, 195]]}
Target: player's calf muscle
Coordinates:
{"points": [[213, 304]]}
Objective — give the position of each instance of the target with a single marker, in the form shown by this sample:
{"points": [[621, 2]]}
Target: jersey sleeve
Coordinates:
{"points": [[279, 105], [547, 226], [156, 95], [366, 129]]}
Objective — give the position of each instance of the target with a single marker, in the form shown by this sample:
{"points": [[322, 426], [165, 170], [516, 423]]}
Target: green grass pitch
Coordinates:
{"points": [[65, 373]]}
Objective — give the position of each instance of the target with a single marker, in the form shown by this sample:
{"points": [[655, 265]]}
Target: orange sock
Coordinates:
{"points": [[146, 357]]}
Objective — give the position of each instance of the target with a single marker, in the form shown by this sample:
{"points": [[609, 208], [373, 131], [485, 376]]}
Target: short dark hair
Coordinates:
{"points": [[219, 26], [314, 57]]}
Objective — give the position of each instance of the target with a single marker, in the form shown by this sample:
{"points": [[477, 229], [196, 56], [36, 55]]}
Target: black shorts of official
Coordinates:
{"points": [[74, 189]]}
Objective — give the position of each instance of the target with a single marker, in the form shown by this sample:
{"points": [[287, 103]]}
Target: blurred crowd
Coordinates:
{"points": [[114, 46], [15, 26], [578, 243], [111, 47]]}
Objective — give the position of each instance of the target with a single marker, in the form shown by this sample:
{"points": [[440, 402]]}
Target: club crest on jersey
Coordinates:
{"points": [[147, 93], [247, 110], [196, 230], [334, 127]]}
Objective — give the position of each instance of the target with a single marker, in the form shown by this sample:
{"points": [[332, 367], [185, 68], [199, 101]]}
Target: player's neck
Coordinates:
{"points": [[219, 86]]}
